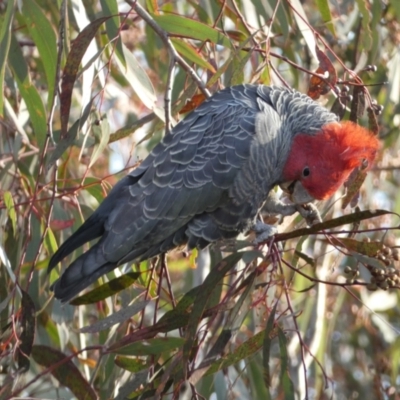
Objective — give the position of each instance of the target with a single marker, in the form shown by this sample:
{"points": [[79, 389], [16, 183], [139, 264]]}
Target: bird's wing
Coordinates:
{"points": [[189, 173]]}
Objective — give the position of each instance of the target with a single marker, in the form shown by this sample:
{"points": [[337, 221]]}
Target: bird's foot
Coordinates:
{"points": [[275, 206], [310, 213], [263, 232]]}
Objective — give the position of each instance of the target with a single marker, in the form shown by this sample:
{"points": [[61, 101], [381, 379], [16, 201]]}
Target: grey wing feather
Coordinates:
{"points": [[176, 190], [180, 193]]}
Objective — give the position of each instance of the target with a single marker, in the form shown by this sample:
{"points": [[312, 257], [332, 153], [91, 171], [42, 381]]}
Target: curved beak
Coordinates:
{"points": [[296, 192], [287, 187]]}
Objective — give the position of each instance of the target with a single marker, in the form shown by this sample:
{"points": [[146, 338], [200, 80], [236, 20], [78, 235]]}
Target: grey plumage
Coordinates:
{"points": [[205, 181]]}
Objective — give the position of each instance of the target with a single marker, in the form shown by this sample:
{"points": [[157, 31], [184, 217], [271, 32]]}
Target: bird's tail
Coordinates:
{"points": [[91, 229], [85, 270]]}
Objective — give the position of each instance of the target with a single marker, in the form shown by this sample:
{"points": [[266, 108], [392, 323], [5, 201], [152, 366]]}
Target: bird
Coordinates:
{"points": [[209, 177]]}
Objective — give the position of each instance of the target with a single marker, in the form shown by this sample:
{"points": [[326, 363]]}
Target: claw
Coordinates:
{"points": [[263, 232], [310, 213]]}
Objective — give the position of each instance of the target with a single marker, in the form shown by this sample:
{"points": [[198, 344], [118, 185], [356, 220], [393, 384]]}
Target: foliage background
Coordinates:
{"points": [[310, 324]]}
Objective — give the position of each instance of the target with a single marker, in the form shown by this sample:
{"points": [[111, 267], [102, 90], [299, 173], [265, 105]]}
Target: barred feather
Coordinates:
{"points": [[206, 180]]}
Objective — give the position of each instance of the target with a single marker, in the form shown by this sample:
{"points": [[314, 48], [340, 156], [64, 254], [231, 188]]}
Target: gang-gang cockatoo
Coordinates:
{"points": [[210, 177]]}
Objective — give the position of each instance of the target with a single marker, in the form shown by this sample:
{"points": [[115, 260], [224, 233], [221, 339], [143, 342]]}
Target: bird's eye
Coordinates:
{"points": [[306, 171]]}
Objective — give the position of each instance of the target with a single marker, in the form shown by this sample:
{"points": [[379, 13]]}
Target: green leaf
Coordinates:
{"points": [[108, 289], [239, 311], [323, 7], [110, 8], [5, 40], [257, 383], [173, 323], [396, 8], [269, 334], [152, 6], [376, 47], [368, 260], [151, 346], [172, 320], [221, 70], [130, 364], [274, 7], [179, 316], [305, 257], [50, 242], [191, 54], [45, 39], [101, 133], [304, 26], [184, 303], [190, 28], [140, 82], [353, 188], [9, 203], [78, 50], [240, 59], [94, 187], [69, 138], [133, 387], [64, 370], [367, 248], [246, 349], [28, 326], [29, 93], [366, 38], [286, 382], [117, 317], [233, 323], [216, 274]]}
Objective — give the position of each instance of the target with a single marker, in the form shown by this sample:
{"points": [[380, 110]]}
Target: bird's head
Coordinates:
{"points": [[323, 162]]}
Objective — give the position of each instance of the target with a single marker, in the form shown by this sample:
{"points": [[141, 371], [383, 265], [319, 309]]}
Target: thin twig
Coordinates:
{"points": [[294, 319], [250, 31], [161, 264], [316, 280], [147, 291], [387, 168], [168, 93], [63, 10], [220, 14], [125, 132]]}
